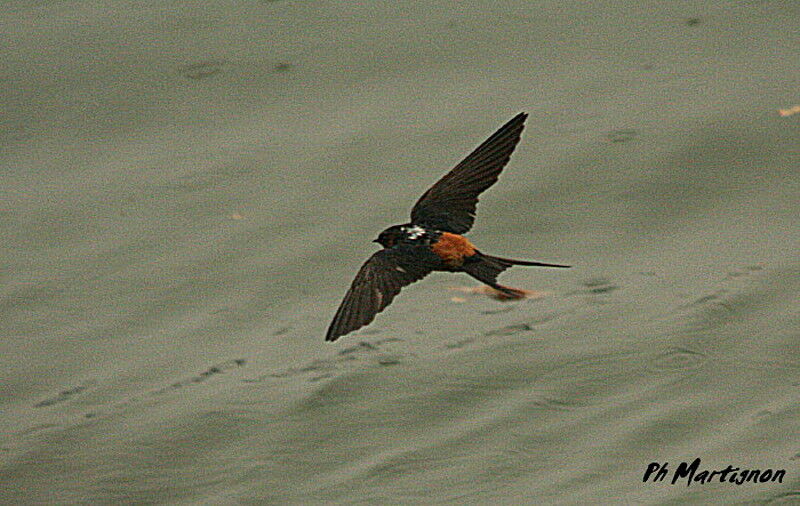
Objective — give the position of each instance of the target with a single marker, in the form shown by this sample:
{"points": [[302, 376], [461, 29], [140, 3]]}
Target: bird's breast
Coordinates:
{"points": [[453, 249]]}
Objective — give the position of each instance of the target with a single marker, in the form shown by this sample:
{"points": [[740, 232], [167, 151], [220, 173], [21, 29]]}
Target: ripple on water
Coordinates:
{"points": [[202, 70], [678, 359], [595, 286], [792, 497]]}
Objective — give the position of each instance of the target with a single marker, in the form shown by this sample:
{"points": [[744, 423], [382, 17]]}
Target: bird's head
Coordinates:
{"points": [[390, 236]]}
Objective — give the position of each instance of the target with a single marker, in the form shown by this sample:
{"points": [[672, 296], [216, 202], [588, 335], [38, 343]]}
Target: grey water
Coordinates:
{"points": [[187, 189]]}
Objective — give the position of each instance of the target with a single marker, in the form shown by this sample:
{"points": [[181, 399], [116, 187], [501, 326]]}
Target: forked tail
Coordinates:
{"points": [[509, 262], [486, 268]]}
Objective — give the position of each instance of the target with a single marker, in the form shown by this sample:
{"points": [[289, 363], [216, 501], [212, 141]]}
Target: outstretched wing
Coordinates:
{"points": [[449, 204], [376, 284]]}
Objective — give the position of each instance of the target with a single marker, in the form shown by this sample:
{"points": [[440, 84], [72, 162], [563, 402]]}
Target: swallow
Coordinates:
{"points": [[433, 240]]}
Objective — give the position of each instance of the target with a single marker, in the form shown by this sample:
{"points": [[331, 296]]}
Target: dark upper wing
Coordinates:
{"points": [[376, 284], [449, 204]]}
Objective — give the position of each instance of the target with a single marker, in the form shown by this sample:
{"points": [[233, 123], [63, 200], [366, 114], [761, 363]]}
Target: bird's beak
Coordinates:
{"points": [[374, 240]]}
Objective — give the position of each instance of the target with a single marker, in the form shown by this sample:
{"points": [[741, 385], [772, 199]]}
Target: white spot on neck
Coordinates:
{"points": [[415, 232]]}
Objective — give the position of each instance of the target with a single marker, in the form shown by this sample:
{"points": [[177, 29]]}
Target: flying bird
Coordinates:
{"points": [[433, 240]]}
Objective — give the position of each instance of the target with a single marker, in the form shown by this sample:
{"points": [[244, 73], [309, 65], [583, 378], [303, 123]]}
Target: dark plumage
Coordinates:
{"points": [[450, 203], [432, 241]]}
